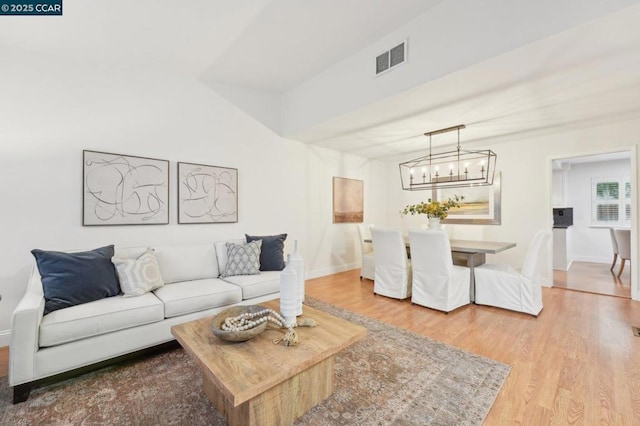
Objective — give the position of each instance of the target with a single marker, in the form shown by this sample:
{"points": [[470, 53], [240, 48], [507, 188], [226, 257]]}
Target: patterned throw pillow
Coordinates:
{"points": [[242, 259], [138, 276]]}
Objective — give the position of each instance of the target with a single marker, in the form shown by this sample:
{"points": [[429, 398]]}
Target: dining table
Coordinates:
{"points": [[469, 253]]}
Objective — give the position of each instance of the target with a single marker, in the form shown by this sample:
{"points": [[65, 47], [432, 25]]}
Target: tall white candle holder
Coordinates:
{"points": [[289, 293], [298, 265]]}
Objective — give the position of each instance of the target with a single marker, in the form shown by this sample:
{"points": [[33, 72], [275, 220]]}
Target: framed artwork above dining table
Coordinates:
{"points": [[481, 204]]}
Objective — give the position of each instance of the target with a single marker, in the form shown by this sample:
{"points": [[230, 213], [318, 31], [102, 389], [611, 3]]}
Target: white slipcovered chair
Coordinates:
{"points": [[368, 268], [614, 246], [504, 287], [623, 240], [393, 268], [437, 282]]}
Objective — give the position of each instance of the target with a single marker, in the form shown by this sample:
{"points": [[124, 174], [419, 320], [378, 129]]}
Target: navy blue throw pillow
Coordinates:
{"points": [[70, 279], [272, 252]]}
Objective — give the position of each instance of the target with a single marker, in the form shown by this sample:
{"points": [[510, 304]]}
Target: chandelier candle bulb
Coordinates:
{"points": [[288, 293]]}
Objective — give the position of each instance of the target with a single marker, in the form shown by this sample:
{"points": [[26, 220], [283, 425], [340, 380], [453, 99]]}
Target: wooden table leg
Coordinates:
{"points": [[281, 404], [470, 260]]}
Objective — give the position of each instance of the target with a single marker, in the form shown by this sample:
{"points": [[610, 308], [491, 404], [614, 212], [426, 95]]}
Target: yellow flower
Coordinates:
{"points": [[432, 208]]}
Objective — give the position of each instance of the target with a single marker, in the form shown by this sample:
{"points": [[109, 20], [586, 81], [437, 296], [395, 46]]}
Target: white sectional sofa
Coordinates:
{"points": [[43, 346]]}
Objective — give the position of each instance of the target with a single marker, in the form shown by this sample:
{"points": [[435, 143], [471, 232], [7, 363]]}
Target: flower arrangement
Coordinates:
{"points": [[433, 208]]}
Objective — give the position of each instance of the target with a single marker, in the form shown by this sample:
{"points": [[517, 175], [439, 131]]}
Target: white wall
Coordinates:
{"points": [[51, 110], [559, 188], [525, 164], [337, 244], [266, 107], [587, 243]]}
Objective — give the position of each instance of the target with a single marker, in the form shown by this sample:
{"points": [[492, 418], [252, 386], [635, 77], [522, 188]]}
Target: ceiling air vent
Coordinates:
{"points": [[389, 59]]}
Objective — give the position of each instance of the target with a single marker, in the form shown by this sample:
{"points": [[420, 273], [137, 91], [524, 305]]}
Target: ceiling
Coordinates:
{"points": [[586, 75], [270, 45], [293, 40], [566, 163]]}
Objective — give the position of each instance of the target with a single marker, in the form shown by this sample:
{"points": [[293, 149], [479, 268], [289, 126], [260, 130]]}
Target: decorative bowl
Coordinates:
{"points": [[236, 336]]}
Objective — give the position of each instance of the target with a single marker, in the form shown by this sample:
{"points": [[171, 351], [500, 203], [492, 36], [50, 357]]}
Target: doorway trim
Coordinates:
{"points": [[635, 290]]}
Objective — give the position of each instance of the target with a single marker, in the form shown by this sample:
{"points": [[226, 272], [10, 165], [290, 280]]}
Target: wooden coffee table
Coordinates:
{"points": [[259, 383]]}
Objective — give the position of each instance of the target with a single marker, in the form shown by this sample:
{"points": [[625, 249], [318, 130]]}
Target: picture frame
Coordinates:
{"points": [[207, 194], [481, 204], [119, 189], [348, 200]]}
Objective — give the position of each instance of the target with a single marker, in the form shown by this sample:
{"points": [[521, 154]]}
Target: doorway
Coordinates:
{"points": [[593, 193]]}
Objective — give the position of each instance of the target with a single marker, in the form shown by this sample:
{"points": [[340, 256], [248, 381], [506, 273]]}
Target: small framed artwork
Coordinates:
{"points": [[481, 204], [207, 194], [124, 190], [348, 200]]}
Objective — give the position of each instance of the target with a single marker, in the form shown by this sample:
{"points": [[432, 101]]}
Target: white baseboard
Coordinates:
{"points": [[592, 259], [560, 268], [5, 337], [316, 273]]}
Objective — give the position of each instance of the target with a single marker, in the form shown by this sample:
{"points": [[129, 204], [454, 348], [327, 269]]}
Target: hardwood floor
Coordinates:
{"points": [[595, 278], [4, 361], [577, 363]]}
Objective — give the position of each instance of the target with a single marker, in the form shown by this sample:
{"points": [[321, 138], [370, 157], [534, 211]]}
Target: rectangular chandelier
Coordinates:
{"points": [[451, 169]]}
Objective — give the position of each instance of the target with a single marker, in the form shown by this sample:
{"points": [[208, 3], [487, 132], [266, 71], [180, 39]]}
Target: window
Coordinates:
{"points": [[627, 202], [611, 201]]}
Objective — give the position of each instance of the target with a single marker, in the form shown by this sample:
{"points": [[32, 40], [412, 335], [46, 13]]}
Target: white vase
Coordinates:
{"points": [[434, 223], [288, 293], [298, 265]]}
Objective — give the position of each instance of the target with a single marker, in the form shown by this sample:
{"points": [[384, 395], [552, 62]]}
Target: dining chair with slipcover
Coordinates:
{"points": [[392, 266], [614, 246], [504, 287], [437, 282], [623, 239], [368, 268]]}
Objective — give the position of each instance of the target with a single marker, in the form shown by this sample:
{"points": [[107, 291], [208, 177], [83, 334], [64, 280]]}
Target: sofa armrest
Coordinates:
{"points": [[25, 326]]}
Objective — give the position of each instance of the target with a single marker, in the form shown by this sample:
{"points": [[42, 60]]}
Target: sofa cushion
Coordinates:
{"points": [[272, 254], [221, 252], [186, 263], [70, 279], [242, 259], [194, 296], [257, 285], [99, 317], [129, 252], [138, 276]]}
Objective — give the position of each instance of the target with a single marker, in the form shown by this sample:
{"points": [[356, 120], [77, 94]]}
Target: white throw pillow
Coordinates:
{"points": [[187, 262], [138, 276], [243, 259]]}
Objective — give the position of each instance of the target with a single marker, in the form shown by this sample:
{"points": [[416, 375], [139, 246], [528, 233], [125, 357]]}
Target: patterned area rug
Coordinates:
{"points": [[392, 377]]}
